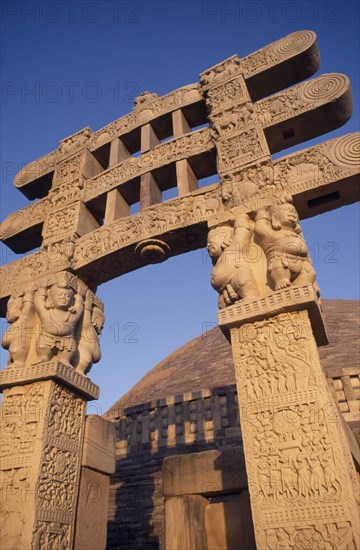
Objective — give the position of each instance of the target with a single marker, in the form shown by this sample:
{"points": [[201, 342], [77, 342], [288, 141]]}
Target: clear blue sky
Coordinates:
{"points": [[67, 65]]}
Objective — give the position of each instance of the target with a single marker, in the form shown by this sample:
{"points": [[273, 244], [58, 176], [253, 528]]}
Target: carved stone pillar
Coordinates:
{"points": [[52, 343], [301, 476]]}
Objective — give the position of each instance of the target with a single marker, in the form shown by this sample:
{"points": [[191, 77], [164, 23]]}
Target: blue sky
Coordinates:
{"points": [[67, 65]]}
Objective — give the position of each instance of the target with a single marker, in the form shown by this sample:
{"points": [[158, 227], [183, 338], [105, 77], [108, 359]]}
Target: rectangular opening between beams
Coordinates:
{"points": [[318, 201], [289, 133]]}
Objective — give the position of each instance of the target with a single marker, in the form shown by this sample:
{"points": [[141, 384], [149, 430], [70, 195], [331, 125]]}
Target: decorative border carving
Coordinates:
{"points": [[53, 370], [154, 221], [149, 111], [273, 54], [302, 98], [290, 299], [317, 166]]}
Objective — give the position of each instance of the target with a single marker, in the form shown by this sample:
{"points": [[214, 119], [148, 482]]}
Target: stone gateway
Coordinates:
{"points": [[294, 481]]}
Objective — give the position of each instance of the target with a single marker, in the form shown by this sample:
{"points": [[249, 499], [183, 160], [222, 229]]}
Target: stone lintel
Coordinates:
{"points": [[52, 370], [294, 298], [204, 473], [99, 445]]}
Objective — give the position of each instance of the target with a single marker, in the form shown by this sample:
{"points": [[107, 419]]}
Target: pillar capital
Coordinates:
{"points": [[51, 370], [290, 299]]}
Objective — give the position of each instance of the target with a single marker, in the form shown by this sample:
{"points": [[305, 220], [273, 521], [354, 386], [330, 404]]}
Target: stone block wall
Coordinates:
{"points": [[148, 433], [188, 423]]}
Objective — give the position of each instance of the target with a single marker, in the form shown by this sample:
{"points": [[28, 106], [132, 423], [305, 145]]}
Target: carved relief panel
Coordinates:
{"points": [[57, 317], [297, 463]]}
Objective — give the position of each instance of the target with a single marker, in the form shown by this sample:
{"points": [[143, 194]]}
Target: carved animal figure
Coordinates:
{"points": [[235, 275]]}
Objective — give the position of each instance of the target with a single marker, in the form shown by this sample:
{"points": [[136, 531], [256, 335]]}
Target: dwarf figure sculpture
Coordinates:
{"points": [[92, 324], [59, 305], [17, 339], [278, 232]]}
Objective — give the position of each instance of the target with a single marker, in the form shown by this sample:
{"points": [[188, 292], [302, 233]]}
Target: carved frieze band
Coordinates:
{"points": [[302, 98], [330, 161], [93, 140], [261, 60], [11, 376], [186, 146], [154, 221], [145, 112], [317, 166], [289, 299]]}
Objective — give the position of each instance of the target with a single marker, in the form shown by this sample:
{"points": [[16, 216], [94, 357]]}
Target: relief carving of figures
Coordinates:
{"points": [[222, 71], [17, 339], [13, 489], [226, 123], [21, 416], [289, 430], [293, 459], [59, 305], [278, 232], [65, 415], [246, 147], [164, 153], [231, 93], [234, 275], [66, 193], [273, 359], [142, 114], [92, 325], [206, 206], [52, 535], [72, 143], [328, 536], [61, 222], [69, 171]]}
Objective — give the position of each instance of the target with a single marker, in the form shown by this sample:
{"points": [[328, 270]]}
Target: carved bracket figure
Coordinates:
{"points": [[58, 318], [258, 252], [17, 339], [278, 232]]}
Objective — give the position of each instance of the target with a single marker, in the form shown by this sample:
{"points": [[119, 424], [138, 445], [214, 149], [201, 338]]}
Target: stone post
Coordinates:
{"points": [[52, 343], [43, 416], [98, 463], [301, 476]]}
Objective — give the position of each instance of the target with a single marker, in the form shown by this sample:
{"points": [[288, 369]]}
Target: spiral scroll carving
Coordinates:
{"points": [[12, 224], [293, 44], [324, 88], [346, 151], [35, 169]]}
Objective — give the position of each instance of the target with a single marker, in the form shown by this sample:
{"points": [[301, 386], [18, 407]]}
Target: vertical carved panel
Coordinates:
{"points": [[300, 471], [59, 471], [42, 433]]}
